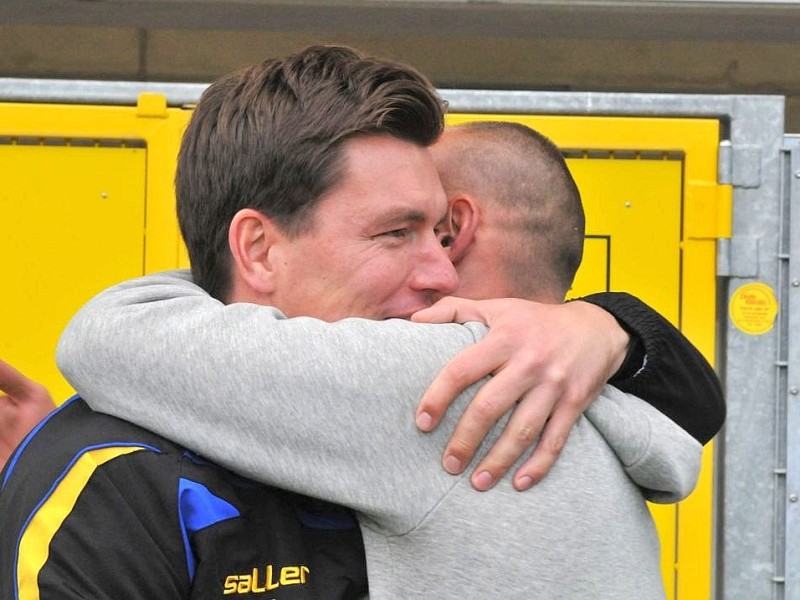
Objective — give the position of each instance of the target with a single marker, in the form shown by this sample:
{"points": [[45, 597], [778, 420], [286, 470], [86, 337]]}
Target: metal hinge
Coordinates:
{"points": [[708, 210], [740, 165]]}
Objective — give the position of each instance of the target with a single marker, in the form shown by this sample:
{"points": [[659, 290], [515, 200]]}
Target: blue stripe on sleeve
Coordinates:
{"points": [[199, 508]]}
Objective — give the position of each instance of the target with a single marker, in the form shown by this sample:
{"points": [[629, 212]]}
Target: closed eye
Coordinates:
{"points": [[395, 233]]}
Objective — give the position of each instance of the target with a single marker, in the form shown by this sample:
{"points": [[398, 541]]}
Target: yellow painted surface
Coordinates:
{"points": [[72, 224], [654, 211], [86, 201]]}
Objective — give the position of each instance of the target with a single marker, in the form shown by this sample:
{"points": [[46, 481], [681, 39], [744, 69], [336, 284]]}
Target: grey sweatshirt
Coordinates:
{"points": [[327, 410]]}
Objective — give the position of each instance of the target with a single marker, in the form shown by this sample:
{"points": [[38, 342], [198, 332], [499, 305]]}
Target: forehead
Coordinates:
{"points": [[383, 177]]}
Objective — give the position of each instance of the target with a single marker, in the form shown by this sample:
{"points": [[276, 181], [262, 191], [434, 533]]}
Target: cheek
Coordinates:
{"points": [[373, 279], [393, 279]]}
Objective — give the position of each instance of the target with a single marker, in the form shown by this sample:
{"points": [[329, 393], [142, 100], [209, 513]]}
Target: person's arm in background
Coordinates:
{"points": [[23, 403], [324, 409]]}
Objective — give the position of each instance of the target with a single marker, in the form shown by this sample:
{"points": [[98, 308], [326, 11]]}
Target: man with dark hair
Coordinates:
{"points": [[272, 138], [327, 404], [95, 507]]}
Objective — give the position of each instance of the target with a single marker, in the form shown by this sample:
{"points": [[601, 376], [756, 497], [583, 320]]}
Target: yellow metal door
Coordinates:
{"points": [[86, 201], [72, 223], [653, 212]]}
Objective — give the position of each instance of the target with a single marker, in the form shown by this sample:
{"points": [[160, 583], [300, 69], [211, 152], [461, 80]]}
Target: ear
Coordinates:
{"points": [[251, 238], [464, 219]]}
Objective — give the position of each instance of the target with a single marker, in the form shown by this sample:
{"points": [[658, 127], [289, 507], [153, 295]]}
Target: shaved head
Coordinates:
{"points": [[524, 190]]}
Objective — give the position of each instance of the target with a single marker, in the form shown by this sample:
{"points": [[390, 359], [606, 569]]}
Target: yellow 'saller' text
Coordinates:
{"points": [[254, 583]]}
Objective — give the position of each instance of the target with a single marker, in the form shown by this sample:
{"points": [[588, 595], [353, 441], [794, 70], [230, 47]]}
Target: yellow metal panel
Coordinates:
{"points": [[655, 253], [63, 240], [708, 210], [161, 136], [595, 269], [72, 224], [695, 519], [152, 105], [632, 203]]}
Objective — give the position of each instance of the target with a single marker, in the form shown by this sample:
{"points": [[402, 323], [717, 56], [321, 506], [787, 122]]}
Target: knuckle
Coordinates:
{"points": [[571, 399], [461, 443], [461, 448], [534, 359], [502, 464], [526, 434], [500, 459], [558, 376], [457, 375], [484, 410], [554, 445]]}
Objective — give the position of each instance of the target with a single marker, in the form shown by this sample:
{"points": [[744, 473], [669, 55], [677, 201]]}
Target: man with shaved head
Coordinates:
{"points": [[520, 206]]}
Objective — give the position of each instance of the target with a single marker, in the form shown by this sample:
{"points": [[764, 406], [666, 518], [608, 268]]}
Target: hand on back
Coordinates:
{"points": [[547, 361]]}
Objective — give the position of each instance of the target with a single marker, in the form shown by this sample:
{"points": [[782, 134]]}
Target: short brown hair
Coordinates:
{"points": [[524, 176], [270, 138]]}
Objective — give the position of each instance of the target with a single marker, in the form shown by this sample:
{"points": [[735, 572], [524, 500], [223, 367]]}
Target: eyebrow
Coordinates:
{"points": [[410, 216]]}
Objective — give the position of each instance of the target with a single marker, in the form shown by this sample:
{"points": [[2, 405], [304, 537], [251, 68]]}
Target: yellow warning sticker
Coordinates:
{"points": [[753, 308]]}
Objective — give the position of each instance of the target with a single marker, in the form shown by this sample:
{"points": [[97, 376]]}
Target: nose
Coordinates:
{"points": [[433, 272]]}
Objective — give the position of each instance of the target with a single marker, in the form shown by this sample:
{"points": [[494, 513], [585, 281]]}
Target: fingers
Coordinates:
{"points": [[18, 390], [440, 312], [539, 354], [468, 367], [14, 383], [451, 310], [23, 403], [479, 417], [531, 417], [517, 438], [495, 399], [552, 441]]}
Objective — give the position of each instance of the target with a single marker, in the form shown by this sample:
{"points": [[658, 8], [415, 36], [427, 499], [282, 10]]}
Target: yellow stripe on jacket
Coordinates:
{"points": [[34, 546]]}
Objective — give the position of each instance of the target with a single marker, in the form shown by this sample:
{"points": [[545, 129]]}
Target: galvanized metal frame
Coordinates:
{"points": [[758, 526], [790, 389]]}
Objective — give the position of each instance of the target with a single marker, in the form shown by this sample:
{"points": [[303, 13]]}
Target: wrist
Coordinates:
{"points": [[620, 346], [614, 335]]}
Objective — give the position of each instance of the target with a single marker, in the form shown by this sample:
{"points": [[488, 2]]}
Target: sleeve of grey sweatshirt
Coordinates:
{"points": [[324, 409], [653, 449]]}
